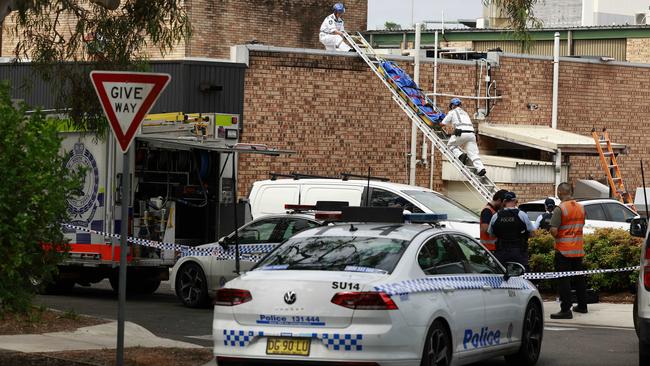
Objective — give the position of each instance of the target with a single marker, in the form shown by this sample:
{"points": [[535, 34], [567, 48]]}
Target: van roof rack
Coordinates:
{"points": [[347, 176], [297, 176]]}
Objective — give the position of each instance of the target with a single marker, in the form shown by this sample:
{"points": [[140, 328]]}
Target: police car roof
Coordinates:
{"points": [[377, 229]]}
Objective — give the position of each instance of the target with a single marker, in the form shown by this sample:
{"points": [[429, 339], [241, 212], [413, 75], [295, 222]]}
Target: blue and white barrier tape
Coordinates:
{"points": [[552, 275], [248, 252]]}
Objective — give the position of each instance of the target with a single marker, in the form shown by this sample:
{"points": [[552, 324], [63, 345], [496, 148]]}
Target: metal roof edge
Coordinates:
{"points": [[574, 59], [312, 51]]}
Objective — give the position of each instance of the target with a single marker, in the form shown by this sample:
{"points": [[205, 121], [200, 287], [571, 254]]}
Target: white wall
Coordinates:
{"points": [[610, 12]]}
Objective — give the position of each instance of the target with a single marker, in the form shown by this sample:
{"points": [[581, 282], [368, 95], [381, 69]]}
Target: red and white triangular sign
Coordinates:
{"points": [[126, 98]]}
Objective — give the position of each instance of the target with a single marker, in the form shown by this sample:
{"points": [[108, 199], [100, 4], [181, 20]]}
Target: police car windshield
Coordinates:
{"points": [[440, 204], [336, 253]]}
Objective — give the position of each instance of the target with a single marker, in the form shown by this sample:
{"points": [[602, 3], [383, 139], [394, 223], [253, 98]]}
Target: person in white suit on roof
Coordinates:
{"points": [[331, 31]]}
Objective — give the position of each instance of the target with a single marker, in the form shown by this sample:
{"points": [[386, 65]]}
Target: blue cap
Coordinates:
{"points": [[339, 8], [549, 202], [510, 196], [456, 102]]}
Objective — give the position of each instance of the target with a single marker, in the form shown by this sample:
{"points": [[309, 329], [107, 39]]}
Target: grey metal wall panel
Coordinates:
{"points": [[616, 48], [182, 94]]}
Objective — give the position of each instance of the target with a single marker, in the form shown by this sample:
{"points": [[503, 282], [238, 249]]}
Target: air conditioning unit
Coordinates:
{"points": [[642, 18]]}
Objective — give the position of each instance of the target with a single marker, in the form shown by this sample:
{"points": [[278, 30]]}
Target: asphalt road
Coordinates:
{"points": [[163, 314]]}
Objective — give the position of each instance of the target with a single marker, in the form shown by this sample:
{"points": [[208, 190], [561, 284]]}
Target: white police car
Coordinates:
{"points": [[383, 293]]}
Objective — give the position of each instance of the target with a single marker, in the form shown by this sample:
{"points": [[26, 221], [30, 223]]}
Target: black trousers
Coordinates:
{"points": [[562, 264], [512, 254]]}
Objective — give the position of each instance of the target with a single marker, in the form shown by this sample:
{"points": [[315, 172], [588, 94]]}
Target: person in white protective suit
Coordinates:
{"points": [[331, 31], [463, 136]]}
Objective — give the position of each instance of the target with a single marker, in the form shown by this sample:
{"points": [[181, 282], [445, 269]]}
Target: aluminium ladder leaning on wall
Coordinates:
{"points": [[483, 185]]}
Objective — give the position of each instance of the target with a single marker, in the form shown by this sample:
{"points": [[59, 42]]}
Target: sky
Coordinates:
{"points": [[399, 11]]}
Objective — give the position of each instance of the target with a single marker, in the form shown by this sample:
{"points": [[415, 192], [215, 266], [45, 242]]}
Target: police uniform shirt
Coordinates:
{"points": [[332, 23], [522, 216], [459, 119]]}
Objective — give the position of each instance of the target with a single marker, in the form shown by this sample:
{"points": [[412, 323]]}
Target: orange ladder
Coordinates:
{"points": [[604, 147]]}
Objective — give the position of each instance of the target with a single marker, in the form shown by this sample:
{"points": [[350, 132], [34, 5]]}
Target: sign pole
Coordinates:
{"points": [[126, 98], [124, 247]]}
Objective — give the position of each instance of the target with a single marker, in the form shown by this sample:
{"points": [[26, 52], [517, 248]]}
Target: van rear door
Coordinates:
{"points": [[270, 199]]}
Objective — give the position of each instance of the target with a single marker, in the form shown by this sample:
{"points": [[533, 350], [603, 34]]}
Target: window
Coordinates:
{"points": [[383, 198], [440, 256], [618, 213], [257, 232], [293, 226], [440, 204], [337, 253], [477, 257], [595, 212]]}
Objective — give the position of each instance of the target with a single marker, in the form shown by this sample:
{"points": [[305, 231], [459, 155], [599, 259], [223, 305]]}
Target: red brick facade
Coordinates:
{"points": [[338, 116], [219, 24]]}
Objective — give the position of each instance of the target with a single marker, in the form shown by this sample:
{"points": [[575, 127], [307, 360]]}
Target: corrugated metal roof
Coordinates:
{"points": [[544, 138], [491, 30]]}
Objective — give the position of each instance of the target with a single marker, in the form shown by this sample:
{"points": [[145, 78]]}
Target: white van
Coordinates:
{"points": [[269, 197]]}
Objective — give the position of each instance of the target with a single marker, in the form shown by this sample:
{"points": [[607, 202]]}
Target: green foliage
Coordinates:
{"points": [[392, 26], [612, 248], [521, 18], [100, 39], [605, 248], [33, 194]]}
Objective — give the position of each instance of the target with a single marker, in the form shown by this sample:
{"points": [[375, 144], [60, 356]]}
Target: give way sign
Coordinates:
{"points": [[126, 98]]}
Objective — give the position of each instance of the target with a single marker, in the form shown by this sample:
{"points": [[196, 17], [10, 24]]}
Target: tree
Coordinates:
{"points": [[33, 202], [104, 34], [392, 26], [520, 15]]}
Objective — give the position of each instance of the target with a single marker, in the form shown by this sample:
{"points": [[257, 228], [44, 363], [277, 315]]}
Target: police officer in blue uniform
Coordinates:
{"points": [[512, 227], [544, 220]]}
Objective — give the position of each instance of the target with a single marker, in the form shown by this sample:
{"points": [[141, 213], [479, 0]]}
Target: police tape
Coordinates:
{"points": [[248, 252], [554, 275], [255, 252]]}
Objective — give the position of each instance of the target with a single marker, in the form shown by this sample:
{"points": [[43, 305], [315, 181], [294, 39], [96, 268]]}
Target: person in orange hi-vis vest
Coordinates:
{"points": [[490, 241], [566, 226]]}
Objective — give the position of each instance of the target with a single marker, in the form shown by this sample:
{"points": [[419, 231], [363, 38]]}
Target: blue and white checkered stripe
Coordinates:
{"points": [[249, 252], [442, 283], [551, 275], [332, 341]]}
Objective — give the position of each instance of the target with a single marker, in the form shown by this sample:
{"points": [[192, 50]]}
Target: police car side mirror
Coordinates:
{"points": [[638, 227], [514, 269]]}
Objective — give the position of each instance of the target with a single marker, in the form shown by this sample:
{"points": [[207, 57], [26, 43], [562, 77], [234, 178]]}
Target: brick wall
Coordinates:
{"points": [[219, 24], [637, 50], [530, 191], [336, 115]]}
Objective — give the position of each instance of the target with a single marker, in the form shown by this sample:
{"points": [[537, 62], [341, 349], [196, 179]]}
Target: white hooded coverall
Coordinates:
{"points": [[467, 141], [332, 42]]}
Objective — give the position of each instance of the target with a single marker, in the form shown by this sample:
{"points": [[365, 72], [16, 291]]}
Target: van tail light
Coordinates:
{"points": [[232, 297], [646, 268], [364, 300]]}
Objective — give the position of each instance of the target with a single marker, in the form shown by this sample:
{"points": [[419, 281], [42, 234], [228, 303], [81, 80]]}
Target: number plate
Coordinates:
{"points": [[288, 346]]}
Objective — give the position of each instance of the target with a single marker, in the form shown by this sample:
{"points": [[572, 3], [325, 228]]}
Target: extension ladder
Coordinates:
{"points": [[615, 180], [483, 185]]}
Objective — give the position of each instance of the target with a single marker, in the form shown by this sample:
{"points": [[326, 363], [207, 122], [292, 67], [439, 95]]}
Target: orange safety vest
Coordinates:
{"points": [[489, 241], [569, 240]]}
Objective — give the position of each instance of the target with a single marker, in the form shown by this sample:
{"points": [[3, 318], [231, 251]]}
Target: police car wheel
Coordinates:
{"points": [[437, 347], [531, 338], [191, 286]]}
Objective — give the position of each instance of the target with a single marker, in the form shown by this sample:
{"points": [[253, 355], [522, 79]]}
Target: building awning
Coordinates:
{"points": [[185, 143], [545, 138]]}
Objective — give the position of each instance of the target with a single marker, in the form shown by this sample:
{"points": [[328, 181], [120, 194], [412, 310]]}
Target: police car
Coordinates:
{"points": [[196, 277], [381, 292]]}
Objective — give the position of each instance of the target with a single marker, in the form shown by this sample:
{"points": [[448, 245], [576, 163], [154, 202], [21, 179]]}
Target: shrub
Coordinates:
{"points": [[33, 193], [605, 248]]}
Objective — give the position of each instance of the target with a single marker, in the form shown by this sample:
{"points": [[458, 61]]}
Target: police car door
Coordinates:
{"points": [[504, 308], [442, 262]]}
